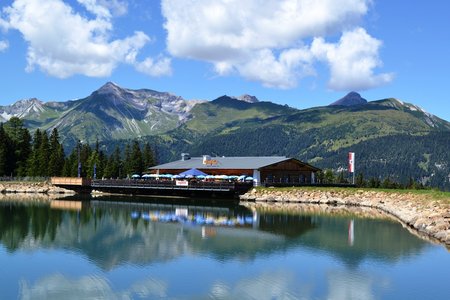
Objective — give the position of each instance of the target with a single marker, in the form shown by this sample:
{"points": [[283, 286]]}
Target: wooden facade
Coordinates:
{"points": [[289, 171]]}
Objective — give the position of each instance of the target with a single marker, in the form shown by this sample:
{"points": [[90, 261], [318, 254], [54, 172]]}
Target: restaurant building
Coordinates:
{"points": [[265, 170]]}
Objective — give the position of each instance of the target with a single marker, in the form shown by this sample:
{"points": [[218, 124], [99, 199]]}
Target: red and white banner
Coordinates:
{"points": [[351, 162]]}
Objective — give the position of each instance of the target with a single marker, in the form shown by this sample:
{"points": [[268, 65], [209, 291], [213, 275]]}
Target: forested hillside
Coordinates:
{"points": [[391, 138]]}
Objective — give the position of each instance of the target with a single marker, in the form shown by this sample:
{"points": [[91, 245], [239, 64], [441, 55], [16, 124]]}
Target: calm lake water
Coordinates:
{"points": [[105, 250]]}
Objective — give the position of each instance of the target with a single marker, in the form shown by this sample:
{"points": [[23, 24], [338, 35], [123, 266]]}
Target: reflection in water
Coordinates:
{"points": [[276, 285], [140, 233], [351, 285], [273, 285], [89, 287], [152, 250], [351, 232]]}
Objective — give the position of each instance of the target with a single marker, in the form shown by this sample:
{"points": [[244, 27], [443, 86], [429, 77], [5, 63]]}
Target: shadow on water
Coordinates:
{"points": [[112, 231]]}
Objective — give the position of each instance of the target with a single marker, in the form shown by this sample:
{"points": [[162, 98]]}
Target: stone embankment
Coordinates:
{"points": [[32, 188], [430, 218]]}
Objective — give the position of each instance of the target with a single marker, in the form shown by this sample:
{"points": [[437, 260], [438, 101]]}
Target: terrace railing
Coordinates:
{"points": [[170, 184]]}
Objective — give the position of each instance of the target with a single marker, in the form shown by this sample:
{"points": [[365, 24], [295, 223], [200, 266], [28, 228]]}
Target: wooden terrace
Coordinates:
{"points": [[187, 188]]}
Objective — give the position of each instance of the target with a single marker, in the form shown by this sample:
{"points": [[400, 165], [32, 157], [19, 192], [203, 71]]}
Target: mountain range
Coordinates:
{"points": [[390, 137]]}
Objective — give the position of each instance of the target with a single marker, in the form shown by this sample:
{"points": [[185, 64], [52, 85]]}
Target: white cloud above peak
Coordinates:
{"points": [[3, 45], [352, 61], [63, 43], [266, 41]]}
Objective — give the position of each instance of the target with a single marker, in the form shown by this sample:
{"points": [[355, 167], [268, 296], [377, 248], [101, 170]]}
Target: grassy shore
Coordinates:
{"points": [[432, 194]]}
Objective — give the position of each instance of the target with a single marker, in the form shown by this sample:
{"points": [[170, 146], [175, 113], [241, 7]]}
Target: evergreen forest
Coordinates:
{"points": [[41, 155]]}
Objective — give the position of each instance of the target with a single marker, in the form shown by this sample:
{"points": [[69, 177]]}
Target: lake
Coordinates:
{"points": [[161, 249]]}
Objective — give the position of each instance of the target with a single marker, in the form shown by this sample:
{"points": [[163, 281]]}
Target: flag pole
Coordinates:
{"points": [[351, 165]]}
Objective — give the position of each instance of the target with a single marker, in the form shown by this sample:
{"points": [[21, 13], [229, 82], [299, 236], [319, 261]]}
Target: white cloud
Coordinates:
{"points": [[96, 8], [63, 43], [264, 41], [105, 8], [282, 71], [3, 24], [3, 45], [116, 7], [352, 61], [159, 67]]}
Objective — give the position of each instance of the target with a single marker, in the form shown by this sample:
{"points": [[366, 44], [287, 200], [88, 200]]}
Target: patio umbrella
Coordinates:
{"points": [[249, 178], [135, 176], [147, 175], [192, 172]]}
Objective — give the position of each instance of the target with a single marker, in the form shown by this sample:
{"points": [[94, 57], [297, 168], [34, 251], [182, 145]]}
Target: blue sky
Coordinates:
{"points": [[295, 52]]}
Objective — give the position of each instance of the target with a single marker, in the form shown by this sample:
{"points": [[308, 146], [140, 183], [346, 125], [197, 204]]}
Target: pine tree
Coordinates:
{"points": [[360, 180], [118, 170], [33, 161], [108, 172], [4, 148], [102, 160], [127, 161], [23, 152], [136, 160], [96, 162], [71, 164], [411, 183], [56, 151], [329, 176], [341, 178], [43, 155], [374, 182], [113, 164], [387, 183], [19, 146], [148, 156], [85, 153], [92, 165], [320, 177]]}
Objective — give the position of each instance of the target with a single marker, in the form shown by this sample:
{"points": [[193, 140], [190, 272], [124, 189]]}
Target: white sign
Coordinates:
{"points": [[182, 183], [181, 212]]}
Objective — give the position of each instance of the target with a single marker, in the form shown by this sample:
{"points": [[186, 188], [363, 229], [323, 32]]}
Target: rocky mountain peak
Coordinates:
{"points": [[351, 99], [247, 98], [109, 88]]}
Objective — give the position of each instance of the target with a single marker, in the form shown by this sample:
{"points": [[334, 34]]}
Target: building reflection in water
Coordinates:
{"points": [[143, 233], [120, 249]]}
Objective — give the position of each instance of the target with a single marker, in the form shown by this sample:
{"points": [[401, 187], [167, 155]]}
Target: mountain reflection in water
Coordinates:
{"points": [[112, 234], [120, 249]]}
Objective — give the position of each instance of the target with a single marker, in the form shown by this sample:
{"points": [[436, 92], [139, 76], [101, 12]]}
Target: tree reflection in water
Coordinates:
{"points": [[113, 234]]}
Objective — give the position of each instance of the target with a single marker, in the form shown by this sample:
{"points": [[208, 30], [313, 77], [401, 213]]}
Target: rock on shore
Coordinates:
{"points": [[428, 217], [32, 188]]}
